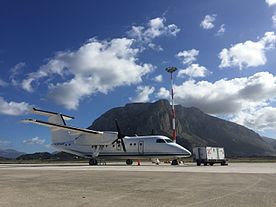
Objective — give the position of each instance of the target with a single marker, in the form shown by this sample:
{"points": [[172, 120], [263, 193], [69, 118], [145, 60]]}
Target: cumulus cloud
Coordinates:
{"points": [[143, 93], [221, 30], [249, 53], [274, 20], [193, 71], [34, 141], [163, 93], [3, 83], [4, 143], [15, 71], [97, 66], [155, 27], [188, 56], [13, 108], [270, 2], [208, 21], [226, 96], [258, 118], [158, 78]]}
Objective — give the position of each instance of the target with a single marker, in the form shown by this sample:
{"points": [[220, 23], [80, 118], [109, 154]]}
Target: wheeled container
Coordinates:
{"points": [[209, 155]]}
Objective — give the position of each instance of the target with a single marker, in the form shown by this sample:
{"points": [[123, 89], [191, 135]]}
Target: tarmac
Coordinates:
{"points": [[114, 184]]}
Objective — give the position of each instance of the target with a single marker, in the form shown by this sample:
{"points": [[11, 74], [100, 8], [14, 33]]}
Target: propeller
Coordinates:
{"points": [[120, 136]]}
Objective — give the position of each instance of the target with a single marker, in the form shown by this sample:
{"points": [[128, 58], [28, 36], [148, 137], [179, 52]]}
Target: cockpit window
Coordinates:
{"points": [[168, 140], [160, 141]]}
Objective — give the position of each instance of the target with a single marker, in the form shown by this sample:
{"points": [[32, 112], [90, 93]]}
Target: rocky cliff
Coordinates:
{"points": [[194, 128]]}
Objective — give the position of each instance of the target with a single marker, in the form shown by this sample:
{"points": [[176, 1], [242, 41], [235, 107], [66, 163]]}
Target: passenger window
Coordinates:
{"points": [[168, 140], [160, 141]]}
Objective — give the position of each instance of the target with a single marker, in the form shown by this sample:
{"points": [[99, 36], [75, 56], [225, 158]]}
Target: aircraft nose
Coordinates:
{"points": [[184, 151]]}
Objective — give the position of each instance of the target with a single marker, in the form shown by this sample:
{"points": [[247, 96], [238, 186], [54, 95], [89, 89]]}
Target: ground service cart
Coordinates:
{"points": [[209, 155]]}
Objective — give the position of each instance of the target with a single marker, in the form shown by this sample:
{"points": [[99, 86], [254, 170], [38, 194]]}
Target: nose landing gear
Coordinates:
{"points": [[93, 161]]}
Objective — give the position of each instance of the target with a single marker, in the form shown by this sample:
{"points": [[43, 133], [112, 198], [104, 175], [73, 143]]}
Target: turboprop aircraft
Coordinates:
{"points": [[97, 145]]}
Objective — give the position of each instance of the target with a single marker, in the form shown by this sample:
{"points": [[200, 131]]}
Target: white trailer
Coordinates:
{"points": [[209, 155]]}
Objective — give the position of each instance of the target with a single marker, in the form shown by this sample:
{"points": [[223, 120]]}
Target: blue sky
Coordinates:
{"points": [[82, 58]]}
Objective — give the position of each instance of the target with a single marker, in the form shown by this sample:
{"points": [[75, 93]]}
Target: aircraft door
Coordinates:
{"points": [[141, 147]]}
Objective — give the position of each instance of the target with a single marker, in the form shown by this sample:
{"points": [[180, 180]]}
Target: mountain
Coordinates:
{"points": [[63, 156], [10, 153], [194, 128], [270, 141]]}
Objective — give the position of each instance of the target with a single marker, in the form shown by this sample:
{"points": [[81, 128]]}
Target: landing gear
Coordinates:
{"points": [[175, 162], [93, 161], [129, 162]]}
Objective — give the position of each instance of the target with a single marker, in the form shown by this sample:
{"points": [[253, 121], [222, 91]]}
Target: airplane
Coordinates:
{"points": [[97, 145]]}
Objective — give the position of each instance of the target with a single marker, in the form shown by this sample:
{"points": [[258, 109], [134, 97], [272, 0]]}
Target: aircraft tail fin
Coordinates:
{"points": [[53, 117]]}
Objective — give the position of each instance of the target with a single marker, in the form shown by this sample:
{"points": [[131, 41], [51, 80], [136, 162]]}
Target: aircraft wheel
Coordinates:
{"points": [[93, 162], [129, 162], [175, 162]]}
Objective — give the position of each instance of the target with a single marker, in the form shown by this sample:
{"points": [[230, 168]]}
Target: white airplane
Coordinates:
{"points": [[107, 144]]}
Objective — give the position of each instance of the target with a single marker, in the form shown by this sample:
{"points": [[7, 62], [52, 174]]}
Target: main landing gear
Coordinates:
{"points": [[93, 161], [175, 162], [129, 162]]}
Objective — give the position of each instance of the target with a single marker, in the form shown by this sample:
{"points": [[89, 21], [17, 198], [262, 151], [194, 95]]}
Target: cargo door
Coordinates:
{"points": [[141, 147], [211, 153], [221, 153]]}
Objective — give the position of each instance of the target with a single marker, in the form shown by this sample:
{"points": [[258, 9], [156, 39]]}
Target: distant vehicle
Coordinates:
{"points": [[106, 144], [209, 155]]}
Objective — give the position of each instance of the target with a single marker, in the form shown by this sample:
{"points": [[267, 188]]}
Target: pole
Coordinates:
{"points": [[171, 70]]}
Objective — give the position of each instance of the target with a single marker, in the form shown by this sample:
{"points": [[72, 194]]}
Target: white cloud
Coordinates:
{"points": [[15, 71], [226, 96], [155, 27], [163, 93], [4, 143], [207, 22], [249, 53], [97, 66], [221, 30], [188, 56], [274, 20], [143, 93], [258, 118], [34, 141], [3, 83], [158, 78], [270, 2], [193, 71], [13, 108]]}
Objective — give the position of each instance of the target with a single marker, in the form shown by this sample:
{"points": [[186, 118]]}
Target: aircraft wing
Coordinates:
{"points": [[57, 126]]}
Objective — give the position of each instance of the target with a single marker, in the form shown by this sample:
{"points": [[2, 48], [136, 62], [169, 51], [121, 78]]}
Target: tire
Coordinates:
{"points": [[198, 163], [205, 163], [129, 162], [211, 164], [93, 162], [175, 162]]}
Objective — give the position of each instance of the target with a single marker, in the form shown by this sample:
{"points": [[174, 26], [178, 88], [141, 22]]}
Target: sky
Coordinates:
{"points": [[82, 58]]}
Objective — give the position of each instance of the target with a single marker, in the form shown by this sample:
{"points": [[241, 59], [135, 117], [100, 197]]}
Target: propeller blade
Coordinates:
{"points": [[120, 135], [123, 144]]}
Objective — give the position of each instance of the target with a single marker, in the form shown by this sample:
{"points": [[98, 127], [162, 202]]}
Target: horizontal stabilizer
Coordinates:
{"points": [[49, 113], [57, 126]]}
